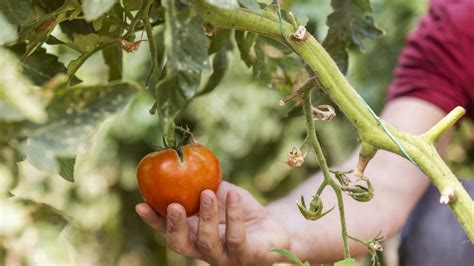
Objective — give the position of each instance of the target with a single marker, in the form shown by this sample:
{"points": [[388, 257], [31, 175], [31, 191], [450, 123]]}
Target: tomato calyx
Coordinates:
{"points": [[178, 140]]}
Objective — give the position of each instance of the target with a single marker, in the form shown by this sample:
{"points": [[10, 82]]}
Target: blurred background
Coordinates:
{"points": [[92, 221]]}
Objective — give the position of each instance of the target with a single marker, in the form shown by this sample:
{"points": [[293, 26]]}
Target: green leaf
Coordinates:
{"points": [[18, 99], [93, 9], [346, 262], [42, 212], [8, 32], [292, 257], [219, 65], [245, 41], [132, 5], [75, 113], [66, 167], [251, 4], [86, 45], [220, 40], [272, 62], [186, 51], [349, 25], [40, 66], [21, 12]]}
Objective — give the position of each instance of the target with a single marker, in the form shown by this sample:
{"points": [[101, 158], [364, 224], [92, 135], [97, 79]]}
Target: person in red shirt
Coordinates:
{"points": [[435, 73]]}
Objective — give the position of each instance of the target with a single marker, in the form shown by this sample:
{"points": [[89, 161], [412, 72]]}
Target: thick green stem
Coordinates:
{"points": [[350, 103], [312, 138]]}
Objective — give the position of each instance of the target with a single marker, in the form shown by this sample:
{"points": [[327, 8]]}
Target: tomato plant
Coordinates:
{"points": [[68, 66], [178, 176]]}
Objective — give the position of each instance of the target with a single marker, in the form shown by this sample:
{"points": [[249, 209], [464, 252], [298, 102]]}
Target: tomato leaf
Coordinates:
{"points": [[186, 51], [220, 40], [292, 257], [66, 167], [219, 65], [40, 66], [42, 212], [86, 45], [272, 62], [74, 115], [21, 12], [350, 24], [346, 262], [132, 5], [93, 9]]}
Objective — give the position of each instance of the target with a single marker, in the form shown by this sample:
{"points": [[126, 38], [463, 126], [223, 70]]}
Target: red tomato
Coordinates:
{"points": [[164, 179]]}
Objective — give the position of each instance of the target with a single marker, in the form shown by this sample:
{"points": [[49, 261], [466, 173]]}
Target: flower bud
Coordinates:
{"points": [[341, 176], [315, 210], [360, 192]]}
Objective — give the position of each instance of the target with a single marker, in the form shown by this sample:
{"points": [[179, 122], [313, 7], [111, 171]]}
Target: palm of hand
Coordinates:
{"points": [[233, 230]]}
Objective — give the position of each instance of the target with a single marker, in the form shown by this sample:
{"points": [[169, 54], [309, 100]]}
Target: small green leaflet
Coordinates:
{"points": [[349, 25], [346, 262], [86, 45], [66, 167], [220, 64], [292, 257], [40, 67]]}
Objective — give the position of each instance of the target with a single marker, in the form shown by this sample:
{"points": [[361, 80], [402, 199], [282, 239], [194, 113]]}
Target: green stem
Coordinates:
{"points": [[155, 68], [152, 44], [170, 133], [313, 141], [141, 15], [321, 187], [86, 56], [350, 103]]}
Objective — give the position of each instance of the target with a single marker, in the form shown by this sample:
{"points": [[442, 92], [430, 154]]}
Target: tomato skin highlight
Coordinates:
{"points": [[164, 179]]}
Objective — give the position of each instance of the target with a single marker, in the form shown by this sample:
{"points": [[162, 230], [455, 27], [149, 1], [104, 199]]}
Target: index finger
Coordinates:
{"points": [[150, 217]]}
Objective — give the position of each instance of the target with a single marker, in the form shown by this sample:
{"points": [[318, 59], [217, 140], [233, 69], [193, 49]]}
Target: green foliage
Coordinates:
{"points": [[349, 25], [346, 262], [74, 114], [186, 52], [55, 114], [292, 257]]}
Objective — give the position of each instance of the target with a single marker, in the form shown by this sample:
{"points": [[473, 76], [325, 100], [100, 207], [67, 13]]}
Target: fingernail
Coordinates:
{"points": [[234, 199], [206, 200]]}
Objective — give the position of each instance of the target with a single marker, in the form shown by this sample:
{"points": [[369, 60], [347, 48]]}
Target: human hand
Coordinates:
{"points": [[232, 228]]}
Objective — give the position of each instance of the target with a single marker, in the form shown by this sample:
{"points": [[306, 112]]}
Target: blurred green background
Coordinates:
{"points": [[92, 221]]}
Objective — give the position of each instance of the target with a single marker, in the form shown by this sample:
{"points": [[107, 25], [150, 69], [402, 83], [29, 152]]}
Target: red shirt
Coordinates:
{"points": [[437, 64]]}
